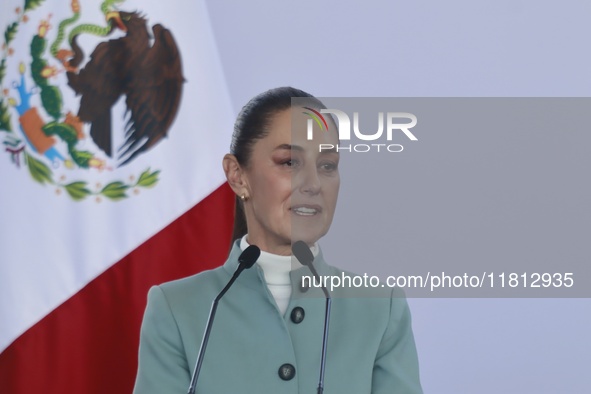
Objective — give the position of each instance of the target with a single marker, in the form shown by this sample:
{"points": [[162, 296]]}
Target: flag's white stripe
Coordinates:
{"points": [[51, 247]]}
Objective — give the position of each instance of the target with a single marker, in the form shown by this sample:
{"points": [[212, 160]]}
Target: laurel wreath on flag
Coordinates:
{"points": [[39, 171]]}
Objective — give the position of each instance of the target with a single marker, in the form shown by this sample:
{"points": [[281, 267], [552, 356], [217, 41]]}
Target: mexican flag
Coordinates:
{"points": [[114, 118]]}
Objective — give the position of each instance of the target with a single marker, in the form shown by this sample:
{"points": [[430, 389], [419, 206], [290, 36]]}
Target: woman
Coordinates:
{"points": [[267, 336]]}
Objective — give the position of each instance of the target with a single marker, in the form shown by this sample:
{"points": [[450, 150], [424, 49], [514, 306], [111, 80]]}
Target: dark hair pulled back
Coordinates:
{"points": [[252, 124]]}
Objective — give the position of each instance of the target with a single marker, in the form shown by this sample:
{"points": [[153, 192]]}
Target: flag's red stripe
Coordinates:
{"points": [[89, 343]]}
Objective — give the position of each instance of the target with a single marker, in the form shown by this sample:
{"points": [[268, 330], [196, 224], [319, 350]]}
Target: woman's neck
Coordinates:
{"points": [[275, 248]]}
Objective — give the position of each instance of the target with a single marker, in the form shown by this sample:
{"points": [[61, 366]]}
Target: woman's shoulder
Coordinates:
{"points": [[205, 285], [348, 284]]}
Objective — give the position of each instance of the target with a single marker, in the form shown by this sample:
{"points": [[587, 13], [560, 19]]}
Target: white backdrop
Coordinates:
{"points": [[501, 48]]}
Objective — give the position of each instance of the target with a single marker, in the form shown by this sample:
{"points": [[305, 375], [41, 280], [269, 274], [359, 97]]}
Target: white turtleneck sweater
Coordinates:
{"points": [[276, 269]]}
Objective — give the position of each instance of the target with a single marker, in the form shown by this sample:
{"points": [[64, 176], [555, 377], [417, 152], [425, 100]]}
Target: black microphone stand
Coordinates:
{"points": [[247, 259], [303, 253]]}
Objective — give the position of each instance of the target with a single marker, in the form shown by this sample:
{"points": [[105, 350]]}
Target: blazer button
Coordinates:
{"points": [[286, 372], [297, 315]]}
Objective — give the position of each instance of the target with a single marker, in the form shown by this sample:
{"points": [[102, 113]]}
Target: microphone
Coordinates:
{"points": [[246, 260], [303, 253]]}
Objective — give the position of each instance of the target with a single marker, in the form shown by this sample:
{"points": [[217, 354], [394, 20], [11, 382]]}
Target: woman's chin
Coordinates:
{"points": [[309, 235]]}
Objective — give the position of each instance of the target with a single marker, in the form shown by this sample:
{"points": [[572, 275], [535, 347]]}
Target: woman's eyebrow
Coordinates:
{"points": [[331, 150], [289, 147]]}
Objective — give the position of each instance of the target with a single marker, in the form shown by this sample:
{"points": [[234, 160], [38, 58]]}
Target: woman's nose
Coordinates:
{"points": [[309, 181]]}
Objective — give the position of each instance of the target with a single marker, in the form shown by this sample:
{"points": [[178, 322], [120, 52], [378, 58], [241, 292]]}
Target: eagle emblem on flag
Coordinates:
{"points": [[56, 107]]}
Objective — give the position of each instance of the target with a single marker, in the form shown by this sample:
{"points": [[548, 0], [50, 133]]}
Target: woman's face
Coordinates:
{"points": [[292, 187]]}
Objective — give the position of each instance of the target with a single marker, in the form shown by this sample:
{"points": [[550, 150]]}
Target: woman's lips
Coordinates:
{"points": [[306, 210]]}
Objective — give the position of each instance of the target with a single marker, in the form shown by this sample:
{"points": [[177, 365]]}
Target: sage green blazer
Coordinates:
{"points": [[254, 349]]}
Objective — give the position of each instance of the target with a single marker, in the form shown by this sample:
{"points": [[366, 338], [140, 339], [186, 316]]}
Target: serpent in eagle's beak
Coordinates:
{"points": [[116, 17]]}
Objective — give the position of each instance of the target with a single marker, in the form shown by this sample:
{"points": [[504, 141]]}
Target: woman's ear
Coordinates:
{"points": [[234, 174]]}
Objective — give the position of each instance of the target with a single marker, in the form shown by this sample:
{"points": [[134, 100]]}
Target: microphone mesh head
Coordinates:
{"points": [[302, 252], [249, 256]]}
